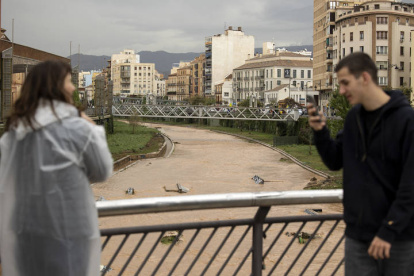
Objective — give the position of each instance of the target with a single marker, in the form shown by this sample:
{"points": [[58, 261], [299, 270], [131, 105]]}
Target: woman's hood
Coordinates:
{"points": [[45, 116]]}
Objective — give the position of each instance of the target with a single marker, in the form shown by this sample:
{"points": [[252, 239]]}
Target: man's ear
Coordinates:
{"points": [[366, 77]]}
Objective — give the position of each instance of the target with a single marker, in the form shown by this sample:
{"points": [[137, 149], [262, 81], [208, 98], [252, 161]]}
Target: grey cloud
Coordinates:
{"points": [[105, 27]]}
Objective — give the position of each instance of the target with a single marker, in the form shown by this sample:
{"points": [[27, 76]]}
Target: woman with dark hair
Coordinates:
{"points": [[49, 154]]}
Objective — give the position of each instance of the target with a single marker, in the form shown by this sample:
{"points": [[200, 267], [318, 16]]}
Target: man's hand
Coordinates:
{"points": [[379, 249], [316, 122]]}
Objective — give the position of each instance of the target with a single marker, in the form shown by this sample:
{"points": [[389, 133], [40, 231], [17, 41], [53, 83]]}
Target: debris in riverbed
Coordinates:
{"points": [[170, 236], [303, 237], [313, 211], [258, 180], [104, 268], [180, 189], [130, 191], [100, 198]]}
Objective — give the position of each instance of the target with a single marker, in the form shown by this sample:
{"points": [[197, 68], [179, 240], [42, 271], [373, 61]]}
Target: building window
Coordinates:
{"points": [[376, 6], [382, 35], [361, 35], [402, 50], [401, 81], [401, 66], [365, 19], [343, 37], [309, 74], [278, 82], [361, 49], [382, 20], [382, 65], [401, 36], [343, 52], [351, 50], [382, 80], [226, 94], [294, 73], [396, 8], [279, 73], [382, 50], [351, 36], [302, 74]]}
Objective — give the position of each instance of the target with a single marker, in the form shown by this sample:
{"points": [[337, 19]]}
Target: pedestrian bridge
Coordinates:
{"points": [[203, 112]]}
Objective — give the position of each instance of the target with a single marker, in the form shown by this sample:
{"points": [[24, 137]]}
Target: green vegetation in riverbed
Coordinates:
{"points": [[123, 142]]}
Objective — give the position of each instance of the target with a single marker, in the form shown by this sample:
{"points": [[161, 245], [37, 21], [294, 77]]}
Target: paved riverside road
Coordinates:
{"points": [[205, 162]]}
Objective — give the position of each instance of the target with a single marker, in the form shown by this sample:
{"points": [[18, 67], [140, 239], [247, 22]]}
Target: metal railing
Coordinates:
{"points": [[203, 112], [253, 246]]}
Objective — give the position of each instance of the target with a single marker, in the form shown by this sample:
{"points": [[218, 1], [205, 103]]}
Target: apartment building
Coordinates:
{"points": [[226, 92], [382, 29], [266, 72], [197, 76], [183, 82], [223, 53], [171, 85], [130, 77], [323, 29]]}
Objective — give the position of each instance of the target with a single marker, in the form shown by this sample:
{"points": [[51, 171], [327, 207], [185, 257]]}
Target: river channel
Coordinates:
{"points": [[207, 163]]}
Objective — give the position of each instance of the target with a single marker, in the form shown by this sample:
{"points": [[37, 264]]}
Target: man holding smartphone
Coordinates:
{"points": [[376, 151]]}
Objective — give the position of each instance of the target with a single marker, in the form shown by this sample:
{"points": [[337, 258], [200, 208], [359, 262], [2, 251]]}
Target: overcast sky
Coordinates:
{"points": [[105, 27]]}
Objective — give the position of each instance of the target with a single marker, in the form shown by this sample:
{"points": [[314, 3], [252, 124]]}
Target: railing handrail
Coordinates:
{"points": [[214, 201]]}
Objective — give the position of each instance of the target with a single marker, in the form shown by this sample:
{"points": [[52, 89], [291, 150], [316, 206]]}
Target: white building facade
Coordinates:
{"points": [[130, 77], [266, 72], [224, 52]]}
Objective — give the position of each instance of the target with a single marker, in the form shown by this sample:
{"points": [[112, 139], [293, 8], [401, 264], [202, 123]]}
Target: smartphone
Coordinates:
{"points": [[310, 99]]}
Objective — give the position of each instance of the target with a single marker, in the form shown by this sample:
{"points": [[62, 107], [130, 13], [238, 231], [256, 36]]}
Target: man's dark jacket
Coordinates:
{"points": [[378, 171]]}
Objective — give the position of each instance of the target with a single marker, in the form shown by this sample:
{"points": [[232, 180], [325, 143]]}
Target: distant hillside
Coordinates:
{"points": [[163, 60]]}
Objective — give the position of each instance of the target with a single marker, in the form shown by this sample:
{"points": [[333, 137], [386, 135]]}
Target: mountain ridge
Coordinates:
{"points": [[163, 60]]}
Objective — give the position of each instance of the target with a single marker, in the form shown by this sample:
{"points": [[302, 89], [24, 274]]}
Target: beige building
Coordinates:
{"points": [[183, 82], [265, 72], [324, 16], [171, 86], [130, 77], [382, 29], [224, 52], [197, 77]]}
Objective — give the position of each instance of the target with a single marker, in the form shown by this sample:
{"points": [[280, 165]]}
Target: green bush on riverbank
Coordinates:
{"points": [[123, 142]]}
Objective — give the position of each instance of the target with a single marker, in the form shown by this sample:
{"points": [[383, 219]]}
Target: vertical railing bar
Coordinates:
{"points": [[275, 240], [320, 247], [149, 254], [105, 242], [218, 250], [287, 248], [185, 251], [115, 254], [201, 251], [330, 255], [234, 250], [168, 252], [339, 265], [257, 239], [243, 261], [304, 248], [133, 253]]}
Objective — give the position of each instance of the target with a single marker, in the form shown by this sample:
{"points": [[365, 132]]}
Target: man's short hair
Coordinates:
{"points": [[357, 63]]}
